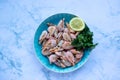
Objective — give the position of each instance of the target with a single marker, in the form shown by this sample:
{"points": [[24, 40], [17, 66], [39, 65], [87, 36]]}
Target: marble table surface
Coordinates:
{"points": [[19, 20]]}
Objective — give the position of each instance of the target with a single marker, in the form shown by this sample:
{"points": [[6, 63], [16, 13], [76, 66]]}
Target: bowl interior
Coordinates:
{"points": [[38, 48]]}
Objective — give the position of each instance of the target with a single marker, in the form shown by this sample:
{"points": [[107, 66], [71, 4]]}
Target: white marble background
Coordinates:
{"points": [[19, 20]]}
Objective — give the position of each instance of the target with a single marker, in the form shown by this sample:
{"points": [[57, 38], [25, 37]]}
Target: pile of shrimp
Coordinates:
{"points": [[56, 44]]}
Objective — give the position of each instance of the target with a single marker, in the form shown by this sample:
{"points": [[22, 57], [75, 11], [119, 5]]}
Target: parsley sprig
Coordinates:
{"points": [[84, 40]]}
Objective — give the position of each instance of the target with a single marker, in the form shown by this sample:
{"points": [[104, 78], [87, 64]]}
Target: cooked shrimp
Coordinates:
{"points": [[56, 45]]}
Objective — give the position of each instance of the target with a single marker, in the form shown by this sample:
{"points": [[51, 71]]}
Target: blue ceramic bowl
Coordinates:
{"points": [[44, 60]]}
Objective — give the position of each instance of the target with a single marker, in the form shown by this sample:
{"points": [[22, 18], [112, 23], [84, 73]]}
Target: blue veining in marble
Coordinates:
{"points": [[19, 20]]}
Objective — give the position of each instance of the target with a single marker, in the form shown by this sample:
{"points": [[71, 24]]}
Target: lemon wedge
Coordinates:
{"points": [[77, 24]]}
